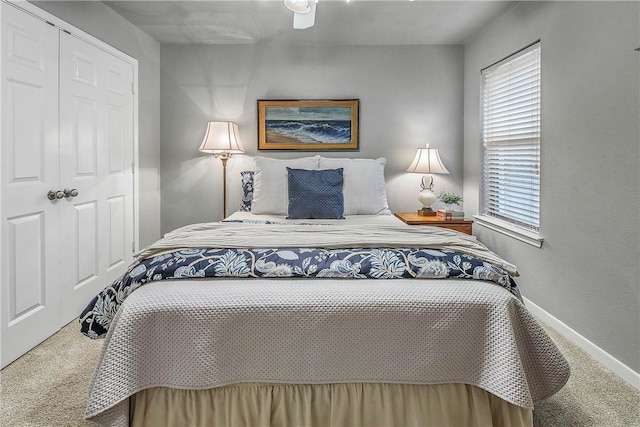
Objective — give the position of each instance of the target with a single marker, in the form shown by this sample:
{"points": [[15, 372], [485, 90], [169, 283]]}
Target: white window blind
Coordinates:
{"points": [[510, 185]]}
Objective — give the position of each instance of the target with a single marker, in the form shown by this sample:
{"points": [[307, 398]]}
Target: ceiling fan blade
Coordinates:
{"points": [[303, 21]]}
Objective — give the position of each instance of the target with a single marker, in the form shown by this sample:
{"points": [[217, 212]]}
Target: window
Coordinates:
{"points": [[510, 182]]}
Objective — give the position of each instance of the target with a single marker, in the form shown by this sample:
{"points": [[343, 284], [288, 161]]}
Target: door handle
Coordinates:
{"points": [[70, 193], [53, 195]]}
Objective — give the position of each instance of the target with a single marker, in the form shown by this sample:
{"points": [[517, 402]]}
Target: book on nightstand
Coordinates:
{"points": [[442, 214]]}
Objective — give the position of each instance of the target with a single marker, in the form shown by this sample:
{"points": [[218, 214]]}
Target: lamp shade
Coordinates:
{"points": [[427, 160], [221, 138]]}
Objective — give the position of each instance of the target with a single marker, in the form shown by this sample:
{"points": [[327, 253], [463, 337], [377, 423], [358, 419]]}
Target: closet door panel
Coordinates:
{"points": [[30, 169], [26, 261], [96, 139], [84, 137], [117, 233], [85, 224], [26, 148]]}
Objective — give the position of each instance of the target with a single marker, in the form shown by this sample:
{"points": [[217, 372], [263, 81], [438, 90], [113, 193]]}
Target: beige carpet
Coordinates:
{"points": [[48, 387]]}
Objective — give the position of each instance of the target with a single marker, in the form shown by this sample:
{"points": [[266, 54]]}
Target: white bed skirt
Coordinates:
{"points": [[351, 404]]}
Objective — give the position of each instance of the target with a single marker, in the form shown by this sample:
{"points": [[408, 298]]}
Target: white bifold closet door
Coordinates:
{"points": [[31, 285], [96, 159], [67, 183]]}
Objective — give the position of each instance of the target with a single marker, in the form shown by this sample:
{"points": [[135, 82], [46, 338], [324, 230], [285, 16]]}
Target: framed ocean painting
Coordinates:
{"points": [[310, 125]]}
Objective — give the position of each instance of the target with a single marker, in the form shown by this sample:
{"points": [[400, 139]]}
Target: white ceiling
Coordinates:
{"points": [[359, 22]]}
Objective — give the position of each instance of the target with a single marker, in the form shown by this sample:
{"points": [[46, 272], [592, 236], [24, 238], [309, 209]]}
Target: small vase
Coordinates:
{"points": [[450, 207]]}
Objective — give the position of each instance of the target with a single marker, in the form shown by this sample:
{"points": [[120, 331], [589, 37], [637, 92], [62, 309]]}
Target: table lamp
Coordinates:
{"points": [[427, 161]]}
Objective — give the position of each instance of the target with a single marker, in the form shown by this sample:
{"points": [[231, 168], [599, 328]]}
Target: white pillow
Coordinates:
{"points": [[270, 185], [364, 187]]}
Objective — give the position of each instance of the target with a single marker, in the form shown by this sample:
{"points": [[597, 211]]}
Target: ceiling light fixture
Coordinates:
{"points": [[304, 12]]}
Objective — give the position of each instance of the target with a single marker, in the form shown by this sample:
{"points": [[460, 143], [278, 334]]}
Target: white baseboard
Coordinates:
{"points": [[619, 368]]}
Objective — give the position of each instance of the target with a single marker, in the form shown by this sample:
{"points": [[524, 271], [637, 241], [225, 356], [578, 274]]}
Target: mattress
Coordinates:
{"points": [[205, 333]]}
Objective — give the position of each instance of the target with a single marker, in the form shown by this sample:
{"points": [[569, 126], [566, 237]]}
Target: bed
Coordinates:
{"points": [[266, 319]]}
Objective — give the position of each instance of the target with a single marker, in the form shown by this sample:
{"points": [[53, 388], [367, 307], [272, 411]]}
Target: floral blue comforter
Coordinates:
{"points": [[287, 262]]}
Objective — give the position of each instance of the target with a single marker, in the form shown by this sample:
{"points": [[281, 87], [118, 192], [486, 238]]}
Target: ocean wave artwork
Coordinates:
{"points": [[309, 131]]}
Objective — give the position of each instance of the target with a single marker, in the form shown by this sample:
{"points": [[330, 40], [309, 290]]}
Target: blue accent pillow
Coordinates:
{"points": [[247, 191], [315, 194]]}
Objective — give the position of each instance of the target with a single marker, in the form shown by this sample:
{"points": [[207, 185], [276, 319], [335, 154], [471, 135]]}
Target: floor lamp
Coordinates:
{"points": [[222, 140]]}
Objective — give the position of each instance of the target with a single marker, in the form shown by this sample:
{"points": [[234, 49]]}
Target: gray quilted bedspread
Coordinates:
{"points": [[199, 335]]}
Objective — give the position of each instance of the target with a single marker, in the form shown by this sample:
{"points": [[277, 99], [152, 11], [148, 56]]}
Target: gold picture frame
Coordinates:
{"points": [[308, 125]]}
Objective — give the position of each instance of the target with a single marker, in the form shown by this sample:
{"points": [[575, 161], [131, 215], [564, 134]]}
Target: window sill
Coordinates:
{"points": [[526, 236]]}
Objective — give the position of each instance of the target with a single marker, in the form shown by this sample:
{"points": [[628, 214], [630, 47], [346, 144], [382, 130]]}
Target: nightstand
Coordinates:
{"points": [[412, 218]]}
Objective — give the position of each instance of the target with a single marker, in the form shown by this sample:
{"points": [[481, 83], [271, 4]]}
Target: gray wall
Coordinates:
{"points": [[103, 23], [587, 273], [409, 96]]}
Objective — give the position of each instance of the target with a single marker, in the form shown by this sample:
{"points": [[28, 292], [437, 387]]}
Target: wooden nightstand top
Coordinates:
{"points": [[412, 218]]}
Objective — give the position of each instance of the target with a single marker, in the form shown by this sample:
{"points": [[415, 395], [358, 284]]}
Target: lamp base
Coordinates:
{"points": [[426, 212]]}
